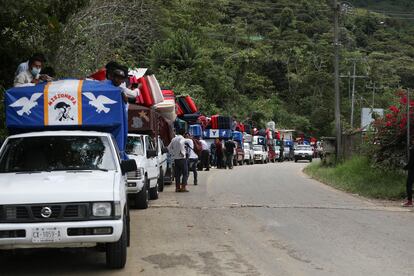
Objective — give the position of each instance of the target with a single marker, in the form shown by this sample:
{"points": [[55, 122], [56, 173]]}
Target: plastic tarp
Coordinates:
{"points": [[68, 105]]}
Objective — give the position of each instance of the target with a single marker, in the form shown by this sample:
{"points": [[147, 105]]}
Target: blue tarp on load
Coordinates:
{"points": [[68, 105], [238, 136]]}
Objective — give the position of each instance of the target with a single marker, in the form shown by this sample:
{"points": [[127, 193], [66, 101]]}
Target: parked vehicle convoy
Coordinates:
{"points": [[248, 154], [142, 183], [260, 154], [156, 132], [303, 152], [61, 184]]}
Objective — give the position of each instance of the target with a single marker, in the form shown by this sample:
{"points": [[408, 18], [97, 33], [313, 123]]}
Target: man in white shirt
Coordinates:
{"points": [[25, 65], [192, 157], [178, 153], [31, 76], [205, 155]]}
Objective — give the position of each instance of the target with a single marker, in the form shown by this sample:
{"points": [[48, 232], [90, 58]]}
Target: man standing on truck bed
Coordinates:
{"points": [[178, 154]]}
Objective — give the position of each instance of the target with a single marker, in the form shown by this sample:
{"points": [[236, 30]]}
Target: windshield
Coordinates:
{"points": [[258, 148], [303, 148], [134, 145], [49, 153]]}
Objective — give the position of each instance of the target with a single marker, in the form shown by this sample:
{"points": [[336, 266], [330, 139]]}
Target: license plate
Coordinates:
{"points": [[52, 234], [303, 155]]}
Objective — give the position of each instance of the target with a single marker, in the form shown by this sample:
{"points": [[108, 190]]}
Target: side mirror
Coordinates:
{"points": [[164, 150], [128, 166], [151, 153]]}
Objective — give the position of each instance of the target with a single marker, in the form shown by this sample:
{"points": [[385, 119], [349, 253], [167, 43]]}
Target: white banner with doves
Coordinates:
{"points": [[63, 103]]}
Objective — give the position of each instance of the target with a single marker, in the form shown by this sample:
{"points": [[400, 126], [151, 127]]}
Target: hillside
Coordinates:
{"points": [[262, 60]]}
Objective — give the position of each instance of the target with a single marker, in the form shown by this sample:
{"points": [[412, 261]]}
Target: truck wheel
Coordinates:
{"points": [[262, 161], [141, 198], [116, 252], [296, 160], [310, 160], [153, 192], [161, 181]]}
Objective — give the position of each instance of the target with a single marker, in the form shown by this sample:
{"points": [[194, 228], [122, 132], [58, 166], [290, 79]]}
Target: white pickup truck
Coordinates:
{"points": [[162, 161], [61, 189], [260, 154], [142, 183], [248, 154]]}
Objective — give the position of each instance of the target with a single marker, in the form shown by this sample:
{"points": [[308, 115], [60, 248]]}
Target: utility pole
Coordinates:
{"points": [[338, 131], [374, 87], [354, 77], [408, 124], [353, 95]]}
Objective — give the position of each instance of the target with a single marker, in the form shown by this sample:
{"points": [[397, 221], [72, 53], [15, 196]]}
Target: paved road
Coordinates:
{"points": [[253, 220]]}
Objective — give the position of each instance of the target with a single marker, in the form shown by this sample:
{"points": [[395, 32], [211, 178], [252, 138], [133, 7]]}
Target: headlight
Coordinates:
{"points": [[140, 173], [101, 209]]}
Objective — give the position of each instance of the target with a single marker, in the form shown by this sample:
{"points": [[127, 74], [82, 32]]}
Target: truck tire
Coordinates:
{"points": [[153, 192], [161, 181], [141, 199], [296, 160], [116, 252], [310, 160]]}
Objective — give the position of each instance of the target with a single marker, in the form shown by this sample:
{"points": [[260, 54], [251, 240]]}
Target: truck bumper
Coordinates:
{"points": [[59, 234]]}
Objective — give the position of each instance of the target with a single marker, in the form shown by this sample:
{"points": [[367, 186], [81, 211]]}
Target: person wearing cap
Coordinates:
{"points": [[117, 75]]}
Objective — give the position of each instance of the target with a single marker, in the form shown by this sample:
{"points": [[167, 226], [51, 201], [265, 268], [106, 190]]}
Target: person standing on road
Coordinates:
{"points": [[213, 155], [410, 177], [281, 151], [177, 150], [205, 155], [192, 157], [229, 150], [219, 154]]}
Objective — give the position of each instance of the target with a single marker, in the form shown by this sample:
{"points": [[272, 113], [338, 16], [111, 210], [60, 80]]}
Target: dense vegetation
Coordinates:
{"points": [[268, 59]]}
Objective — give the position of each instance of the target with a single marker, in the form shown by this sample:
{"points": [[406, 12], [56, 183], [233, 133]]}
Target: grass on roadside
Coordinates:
{"points": [[358, 177]]}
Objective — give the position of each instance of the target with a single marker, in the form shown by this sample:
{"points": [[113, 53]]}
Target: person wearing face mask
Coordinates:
{"points": [[31, 76], [25, 65]]}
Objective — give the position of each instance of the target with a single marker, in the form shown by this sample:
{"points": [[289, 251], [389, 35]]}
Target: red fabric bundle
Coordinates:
{"points": [[99, 75], [191, 104], [146, 94]]}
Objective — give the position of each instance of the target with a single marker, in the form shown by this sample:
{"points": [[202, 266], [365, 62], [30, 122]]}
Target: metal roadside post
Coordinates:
{"points": [[408, 124], [338, 131]]}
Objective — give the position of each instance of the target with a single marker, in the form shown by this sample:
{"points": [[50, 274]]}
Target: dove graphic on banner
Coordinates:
{"points": [[26, 104], [99, 102]]}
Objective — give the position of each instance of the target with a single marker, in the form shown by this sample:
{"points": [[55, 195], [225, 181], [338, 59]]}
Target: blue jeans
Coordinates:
{"points": [[192, 166]]}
